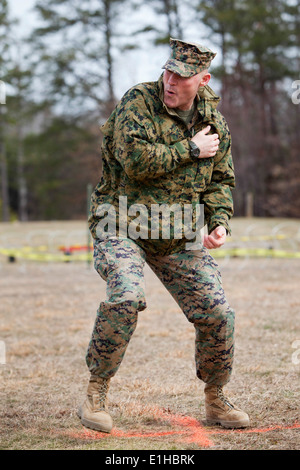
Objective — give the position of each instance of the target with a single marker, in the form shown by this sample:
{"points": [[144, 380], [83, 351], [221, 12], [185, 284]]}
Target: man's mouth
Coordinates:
{"points": [[170, 92]]}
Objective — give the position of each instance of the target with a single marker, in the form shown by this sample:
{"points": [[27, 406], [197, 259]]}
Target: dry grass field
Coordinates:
{"points": [[47, 315]]}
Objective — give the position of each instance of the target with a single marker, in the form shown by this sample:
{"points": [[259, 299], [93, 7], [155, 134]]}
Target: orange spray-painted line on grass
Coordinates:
{"points": [[192, 431], [193, 435]]}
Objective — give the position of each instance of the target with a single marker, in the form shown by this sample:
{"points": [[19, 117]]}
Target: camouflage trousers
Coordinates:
{"points": [[194, 281]]}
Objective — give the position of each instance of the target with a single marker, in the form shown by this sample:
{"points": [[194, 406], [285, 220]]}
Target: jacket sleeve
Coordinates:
{"points": [[217, 199], [141, 152]]}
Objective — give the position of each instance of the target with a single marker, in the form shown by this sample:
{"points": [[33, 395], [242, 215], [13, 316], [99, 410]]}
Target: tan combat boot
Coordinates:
{"points": [[93, 413], [220, 411]]}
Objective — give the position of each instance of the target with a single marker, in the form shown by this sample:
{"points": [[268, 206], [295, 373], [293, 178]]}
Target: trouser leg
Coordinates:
{"points": [[120, 262], [193, 279]]}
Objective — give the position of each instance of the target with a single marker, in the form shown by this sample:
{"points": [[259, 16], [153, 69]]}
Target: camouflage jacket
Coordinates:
{"points": [[146, 157]]}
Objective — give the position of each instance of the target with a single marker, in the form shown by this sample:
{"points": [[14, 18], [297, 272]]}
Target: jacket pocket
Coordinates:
{"points": [[103, 260]]}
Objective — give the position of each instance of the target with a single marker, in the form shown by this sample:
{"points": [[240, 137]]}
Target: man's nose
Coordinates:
{"points": [[173, 78]]}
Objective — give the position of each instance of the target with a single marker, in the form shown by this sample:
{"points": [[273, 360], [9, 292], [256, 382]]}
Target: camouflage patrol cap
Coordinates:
{"points": [[188, 58]]}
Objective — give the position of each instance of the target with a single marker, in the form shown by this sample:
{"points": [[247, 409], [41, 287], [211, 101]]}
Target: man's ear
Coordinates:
{"points": [[205, 79]]}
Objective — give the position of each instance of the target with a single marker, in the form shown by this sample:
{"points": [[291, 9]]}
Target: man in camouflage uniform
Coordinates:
{"points": [[165, 143]]}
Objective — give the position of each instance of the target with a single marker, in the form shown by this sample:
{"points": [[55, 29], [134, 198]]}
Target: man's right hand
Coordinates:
{"points": [[207, 143]]}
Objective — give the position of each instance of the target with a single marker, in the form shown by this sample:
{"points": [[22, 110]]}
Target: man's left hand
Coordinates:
{"points": [[216, 239]]}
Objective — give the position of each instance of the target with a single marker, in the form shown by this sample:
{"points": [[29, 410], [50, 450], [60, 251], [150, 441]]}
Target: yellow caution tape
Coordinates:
{"points": [[255, 252], [258, 238], [41, 255]]}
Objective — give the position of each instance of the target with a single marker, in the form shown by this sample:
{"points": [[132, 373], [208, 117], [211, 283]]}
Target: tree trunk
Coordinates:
{"points": [[3, 169], [22, 186], [179, 32], [111, 100]]}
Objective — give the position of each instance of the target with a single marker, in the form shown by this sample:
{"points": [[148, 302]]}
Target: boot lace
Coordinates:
{"points": [[99, 393], [223, 398], [103, 388]]}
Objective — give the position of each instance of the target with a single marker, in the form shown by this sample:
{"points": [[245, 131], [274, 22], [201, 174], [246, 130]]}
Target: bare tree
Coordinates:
{"points": [[4, 47]]}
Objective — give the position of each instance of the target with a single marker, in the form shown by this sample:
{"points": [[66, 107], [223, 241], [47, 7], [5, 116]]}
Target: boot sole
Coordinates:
{"points": [[228, 424], [92, 424]]}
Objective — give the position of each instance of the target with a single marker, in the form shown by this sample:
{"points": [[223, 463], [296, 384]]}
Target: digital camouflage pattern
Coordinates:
{"points": [[146, 157], [120, 264], [191, 277], [188, 58]]}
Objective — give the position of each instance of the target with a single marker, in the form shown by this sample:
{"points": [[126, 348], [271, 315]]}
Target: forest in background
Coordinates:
{"points": [[60, 84]]}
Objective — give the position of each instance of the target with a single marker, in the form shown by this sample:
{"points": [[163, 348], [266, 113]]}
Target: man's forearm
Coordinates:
{"points": [[143, 160]]}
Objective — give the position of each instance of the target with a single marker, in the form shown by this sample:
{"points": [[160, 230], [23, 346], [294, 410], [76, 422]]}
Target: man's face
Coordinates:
{"points": [[180, 92]]}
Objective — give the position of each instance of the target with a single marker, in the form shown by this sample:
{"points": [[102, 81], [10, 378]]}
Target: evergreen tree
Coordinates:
{"points": [[257, 40], [78, 40], [22, 110], [62, 158]]}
